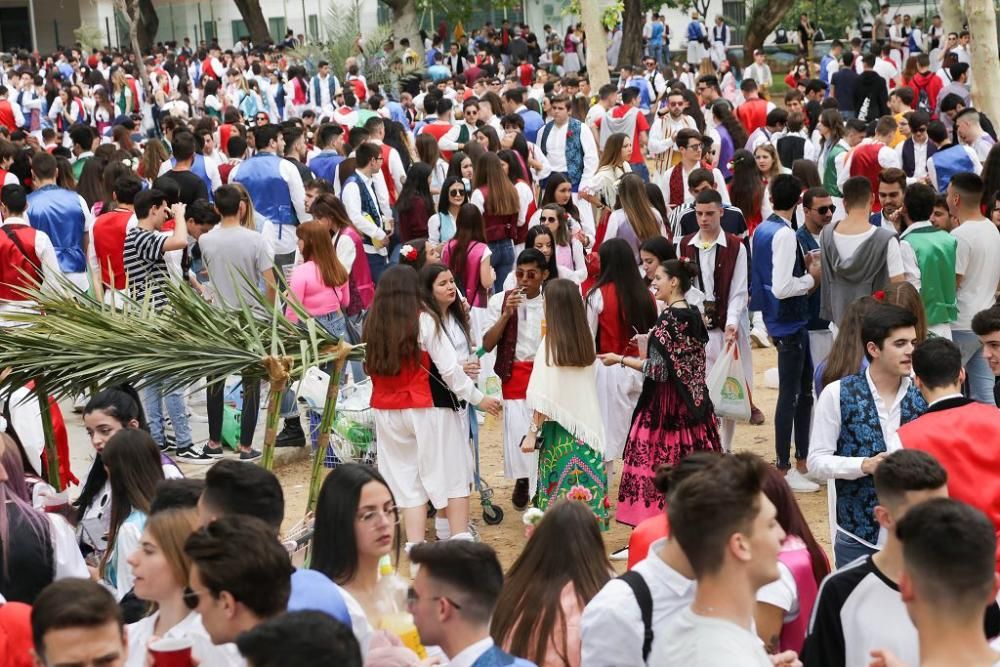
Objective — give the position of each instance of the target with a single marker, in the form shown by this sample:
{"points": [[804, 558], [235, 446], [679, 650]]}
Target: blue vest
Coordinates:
{"points": [[261, 177], [368, 205], [861, 435], [656, 34], [532, 124], [783, 317], [497, 657], [948, 162], [325, 164], [199, 170], [574, 150], [694, 31], [332, 84], [807, 243], [57, 212], [824, 75]]}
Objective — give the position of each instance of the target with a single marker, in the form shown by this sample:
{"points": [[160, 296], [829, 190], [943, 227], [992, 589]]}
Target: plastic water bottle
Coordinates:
{"points": [[390, 601]]}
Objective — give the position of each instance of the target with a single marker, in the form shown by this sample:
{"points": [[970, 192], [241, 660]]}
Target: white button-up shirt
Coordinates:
{"points": [[738, 290], [555, 148], [351, 197]]}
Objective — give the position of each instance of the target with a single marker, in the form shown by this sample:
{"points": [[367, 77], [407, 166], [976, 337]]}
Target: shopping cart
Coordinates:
{"points": [[352, 438]]}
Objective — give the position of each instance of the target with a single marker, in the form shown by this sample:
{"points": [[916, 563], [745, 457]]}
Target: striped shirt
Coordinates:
{"points": [[145, 267]]}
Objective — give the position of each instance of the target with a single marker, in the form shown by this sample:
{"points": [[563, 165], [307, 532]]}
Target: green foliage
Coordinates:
{"points": [[461, 10], [610, 17], [832, 16], [343, 37], [89, 36]]}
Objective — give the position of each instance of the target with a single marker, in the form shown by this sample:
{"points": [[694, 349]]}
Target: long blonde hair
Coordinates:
{"points": [[567, 336], [775, 160], [170, 529], [611, 156], [248, 219], [633, 200]]}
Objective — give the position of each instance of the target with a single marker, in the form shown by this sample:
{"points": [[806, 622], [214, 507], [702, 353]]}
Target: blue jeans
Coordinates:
{"points": [[153, 398], [641, 169], [656, 53], [378, 264], [502, 261], [847, 115], [846, 549], [794, 406], [978, 372]]}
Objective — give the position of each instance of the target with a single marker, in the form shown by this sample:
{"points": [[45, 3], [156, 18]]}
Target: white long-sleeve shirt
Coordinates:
{"points": [[663, 131], [351, 197], [282, 241], [555, 148], [739, 291], [911, 270], [824, 462], [45, 250], [449, 140], [783, 284], [919, 161], [442, 352]]}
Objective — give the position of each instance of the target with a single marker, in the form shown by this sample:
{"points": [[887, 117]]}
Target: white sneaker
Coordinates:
{"points": [[758, 337], [620, 555], [797, 482]]}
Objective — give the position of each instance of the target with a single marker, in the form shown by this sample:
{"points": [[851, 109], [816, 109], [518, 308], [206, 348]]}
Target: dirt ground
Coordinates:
{"points": [[508, 537]]}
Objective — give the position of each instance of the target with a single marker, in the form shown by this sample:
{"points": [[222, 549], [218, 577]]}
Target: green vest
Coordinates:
{"points": [[935, 250], [830, 171]]}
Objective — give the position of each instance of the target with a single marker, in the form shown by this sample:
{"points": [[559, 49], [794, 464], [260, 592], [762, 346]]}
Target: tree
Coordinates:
{"points": [[405, 22], [632, 20], [253, 18], [597, 59], [764, 17], [149, 23], [129, 9], [984, 54], [951, 15]]}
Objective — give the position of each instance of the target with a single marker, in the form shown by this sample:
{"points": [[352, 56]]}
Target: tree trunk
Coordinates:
{"points": [[597, 47], [632, 20], [405, 23], [983, 30], [764, 17], [129, 10], [255, 22], [951, 16], [149, 24]]}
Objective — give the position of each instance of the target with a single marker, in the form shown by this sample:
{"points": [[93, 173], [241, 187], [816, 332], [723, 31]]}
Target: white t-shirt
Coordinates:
{"points": [[781, 593], [976, 261], [692, 640]]}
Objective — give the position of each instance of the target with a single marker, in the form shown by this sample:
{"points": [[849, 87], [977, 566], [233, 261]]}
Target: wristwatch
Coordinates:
{"points": [[532, 428]]}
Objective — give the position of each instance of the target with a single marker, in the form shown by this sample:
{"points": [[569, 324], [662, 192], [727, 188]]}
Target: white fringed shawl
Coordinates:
{"points": [[568, 395]]}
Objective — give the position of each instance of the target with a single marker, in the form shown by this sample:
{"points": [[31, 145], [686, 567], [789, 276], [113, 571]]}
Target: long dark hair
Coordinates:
{"points": [[390, 331], [655, 194], [14, 494], [334, 547], [567, 338], [469, 227], [514, 171], [566, 547], [791, 520], [444, 202], [747, 187], [847, 350], [417, 186], [121, 403], [529, 242], [549, 195], [636, 307], [723, 113], [428, 275], [134, 470], [455, 164]]}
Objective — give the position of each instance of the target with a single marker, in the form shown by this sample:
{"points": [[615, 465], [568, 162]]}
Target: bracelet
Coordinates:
{"points": [[622, 362]]}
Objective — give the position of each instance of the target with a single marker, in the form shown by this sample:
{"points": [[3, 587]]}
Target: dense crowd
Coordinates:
{"points": [[592, 267]]}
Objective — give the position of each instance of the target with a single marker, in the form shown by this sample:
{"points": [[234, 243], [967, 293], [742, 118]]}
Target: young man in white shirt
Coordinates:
{"points": [[859, 607], [977, 274], [947, 577], [853, 426], [364, 209], [666, 124], [971, 133], [563, 146], [729, 532]]}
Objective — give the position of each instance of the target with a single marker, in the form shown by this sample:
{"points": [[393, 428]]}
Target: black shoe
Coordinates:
{"points": [[520, 497], [250, 456], [188, 455], [291, 435], [213, 452]]}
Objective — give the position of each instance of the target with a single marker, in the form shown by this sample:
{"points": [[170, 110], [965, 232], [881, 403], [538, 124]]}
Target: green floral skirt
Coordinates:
{"points": [[569, 468]]}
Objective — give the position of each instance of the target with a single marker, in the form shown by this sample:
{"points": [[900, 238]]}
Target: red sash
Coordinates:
{"points": [[516, 388]]}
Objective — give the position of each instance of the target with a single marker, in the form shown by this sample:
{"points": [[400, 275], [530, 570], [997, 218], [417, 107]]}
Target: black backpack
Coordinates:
{"points": [[645, 599]]}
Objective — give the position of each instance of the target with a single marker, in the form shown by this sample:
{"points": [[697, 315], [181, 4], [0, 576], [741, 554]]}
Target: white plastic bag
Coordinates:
{"points": [[727, 386]]}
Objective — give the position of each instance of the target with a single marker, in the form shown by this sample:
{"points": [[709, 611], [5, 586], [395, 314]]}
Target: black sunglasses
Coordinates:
{"points": [[190, 597], [454, 193], [823, 210]]}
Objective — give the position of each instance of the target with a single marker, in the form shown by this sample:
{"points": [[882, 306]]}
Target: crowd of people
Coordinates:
{"points": [[574, 262]]}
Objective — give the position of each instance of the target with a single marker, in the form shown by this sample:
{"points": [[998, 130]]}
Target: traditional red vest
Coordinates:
{"points": [[963, 440], [7, 116], [725, 266], [498, 227], [438, 130], [19, 266], [109, 246], [753, 114], [66, 476], [207, 70], [389, 183], [864, 162], [417, 385], [613, 335]]}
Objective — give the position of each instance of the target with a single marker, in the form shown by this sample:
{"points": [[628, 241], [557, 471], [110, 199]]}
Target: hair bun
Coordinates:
{"points": [[661, 477]]}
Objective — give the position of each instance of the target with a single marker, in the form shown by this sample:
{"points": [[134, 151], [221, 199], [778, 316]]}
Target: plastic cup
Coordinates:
{"points": [[57, 503], [171, 652]]}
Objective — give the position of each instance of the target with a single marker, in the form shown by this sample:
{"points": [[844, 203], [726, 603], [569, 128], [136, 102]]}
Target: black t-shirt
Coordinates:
{"points": [[190, 184]]}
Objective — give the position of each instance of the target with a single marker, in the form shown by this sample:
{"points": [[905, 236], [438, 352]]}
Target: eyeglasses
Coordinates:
{"points": [[190, 597], [547, 218], [693, 147], [823, 210], [530, 274], [919, 130], [412, 598], [456, 193], [391, 515]]}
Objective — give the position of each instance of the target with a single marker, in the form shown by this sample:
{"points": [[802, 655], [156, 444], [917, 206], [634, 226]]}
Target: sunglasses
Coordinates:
{"points": [[530, 274], [823, 210], [546, 218], [456, 193], [190, 597]]}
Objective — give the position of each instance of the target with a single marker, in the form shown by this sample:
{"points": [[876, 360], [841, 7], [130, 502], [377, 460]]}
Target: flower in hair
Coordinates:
{"points": [[879, 295], [530, 520], [408, 252]]}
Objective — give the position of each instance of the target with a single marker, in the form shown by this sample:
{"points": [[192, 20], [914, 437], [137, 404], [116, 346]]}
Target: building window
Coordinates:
{"points": [[239, 30], [314, 27], [277, 26], [208, 31], [735, 13]]}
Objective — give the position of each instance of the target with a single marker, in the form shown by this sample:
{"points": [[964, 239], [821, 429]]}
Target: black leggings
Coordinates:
{"points": [[215, 399]]}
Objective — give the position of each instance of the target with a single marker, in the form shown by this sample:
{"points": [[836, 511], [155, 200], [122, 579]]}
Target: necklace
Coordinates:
{"points": [[671, 304]]}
